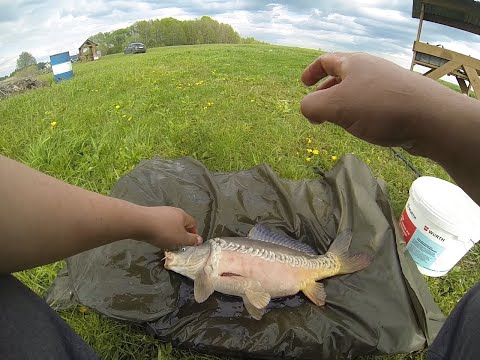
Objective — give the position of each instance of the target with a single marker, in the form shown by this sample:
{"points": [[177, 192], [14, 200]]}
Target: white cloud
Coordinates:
{"points": [[384, 15], [382, 27]]}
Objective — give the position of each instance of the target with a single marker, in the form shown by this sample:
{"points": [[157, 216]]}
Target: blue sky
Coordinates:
{"points": [[381, 27]]}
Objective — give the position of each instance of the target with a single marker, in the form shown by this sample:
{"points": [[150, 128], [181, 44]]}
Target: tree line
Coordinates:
{"points": [[168, 32]]}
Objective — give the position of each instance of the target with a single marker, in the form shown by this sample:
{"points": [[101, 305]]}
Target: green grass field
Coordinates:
{"points": [[229, 106]]}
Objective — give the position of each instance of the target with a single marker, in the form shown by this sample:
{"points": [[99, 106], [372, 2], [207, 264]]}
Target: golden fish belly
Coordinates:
{"points": [[277, 278]]}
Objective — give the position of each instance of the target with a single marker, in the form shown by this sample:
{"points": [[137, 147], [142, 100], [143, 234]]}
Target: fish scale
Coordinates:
{"points": [[326, 261]]}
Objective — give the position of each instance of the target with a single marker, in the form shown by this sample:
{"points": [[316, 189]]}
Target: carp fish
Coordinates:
{"points": [[263, 266]]}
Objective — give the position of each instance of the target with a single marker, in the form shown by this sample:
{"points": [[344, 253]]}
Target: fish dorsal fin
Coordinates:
{"points": [[262, 233]]}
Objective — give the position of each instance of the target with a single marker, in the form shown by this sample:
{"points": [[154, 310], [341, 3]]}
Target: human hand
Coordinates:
{"points": [[169, 228], [373, 99]]}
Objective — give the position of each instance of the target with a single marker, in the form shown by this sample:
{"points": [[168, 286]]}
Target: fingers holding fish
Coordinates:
{"points": [[191, 227], [169, 228]]}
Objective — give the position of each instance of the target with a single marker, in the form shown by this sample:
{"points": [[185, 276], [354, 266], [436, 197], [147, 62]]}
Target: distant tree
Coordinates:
{"points": [[189, 28], [227, 35], [173, 32], [103, 43], [251, 40], [210, 30], [142, 30], [25, 59]]}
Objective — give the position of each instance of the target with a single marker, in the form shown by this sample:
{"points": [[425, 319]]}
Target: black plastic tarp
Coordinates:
{"points": [[384, 309]]}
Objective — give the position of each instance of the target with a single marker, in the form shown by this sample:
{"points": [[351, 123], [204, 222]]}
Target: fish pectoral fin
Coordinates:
{"points": [[254, 312], [315, 292], [202, 287], [259, 299]]}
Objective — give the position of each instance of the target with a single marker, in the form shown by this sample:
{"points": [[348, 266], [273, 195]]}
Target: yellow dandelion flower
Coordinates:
{"points": [[368, 161], [315, 152], [308, 159], [117, 106], [210, 103], [309, 151], [334, 158], [53, 124]]}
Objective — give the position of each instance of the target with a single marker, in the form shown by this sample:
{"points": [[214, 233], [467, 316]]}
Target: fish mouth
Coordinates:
{"points": [[168, 259]]}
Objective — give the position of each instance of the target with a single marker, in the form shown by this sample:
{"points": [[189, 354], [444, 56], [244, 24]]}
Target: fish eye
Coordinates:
{"points": [[183, 249]]}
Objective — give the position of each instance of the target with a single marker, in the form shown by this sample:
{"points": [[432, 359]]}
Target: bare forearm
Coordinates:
{"points": [[451, 137], [43, 219]]}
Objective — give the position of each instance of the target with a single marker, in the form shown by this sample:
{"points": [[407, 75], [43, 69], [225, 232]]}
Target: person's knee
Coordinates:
{"points": [[459, 338]]}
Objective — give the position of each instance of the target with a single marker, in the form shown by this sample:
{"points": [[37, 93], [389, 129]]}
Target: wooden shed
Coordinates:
{"points": [[460, 14], [88, 51]]}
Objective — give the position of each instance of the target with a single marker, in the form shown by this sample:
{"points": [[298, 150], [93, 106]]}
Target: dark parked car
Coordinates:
{"points": [[135, 48]]}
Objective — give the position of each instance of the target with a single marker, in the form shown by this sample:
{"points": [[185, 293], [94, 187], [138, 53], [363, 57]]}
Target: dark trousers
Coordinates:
{"points": [[459, 338], [30, 329]]}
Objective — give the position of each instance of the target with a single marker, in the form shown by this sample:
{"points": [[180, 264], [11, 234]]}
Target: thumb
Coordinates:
{"points": [[192, 239], [322, 105]]}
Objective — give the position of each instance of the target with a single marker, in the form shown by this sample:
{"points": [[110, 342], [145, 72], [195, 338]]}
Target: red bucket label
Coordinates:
{"points": [[407, 226], [424, 250]]}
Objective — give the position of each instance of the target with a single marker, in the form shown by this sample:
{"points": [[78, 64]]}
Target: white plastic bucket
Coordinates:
{"points": [[440, 224]]}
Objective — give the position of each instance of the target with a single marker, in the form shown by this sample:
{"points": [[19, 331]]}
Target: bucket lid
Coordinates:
{"points": [[451, 208]]}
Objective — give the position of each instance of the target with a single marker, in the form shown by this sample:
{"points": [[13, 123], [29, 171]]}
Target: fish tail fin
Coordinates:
{"points": [[348, 263]]}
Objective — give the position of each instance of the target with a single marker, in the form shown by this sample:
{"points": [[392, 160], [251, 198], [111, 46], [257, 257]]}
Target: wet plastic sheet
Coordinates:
{"points": [[384, 309]]}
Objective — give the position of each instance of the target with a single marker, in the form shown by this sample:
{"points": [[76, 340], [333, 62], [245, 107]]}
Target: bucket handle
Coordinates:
{"points": [[468, 240]]}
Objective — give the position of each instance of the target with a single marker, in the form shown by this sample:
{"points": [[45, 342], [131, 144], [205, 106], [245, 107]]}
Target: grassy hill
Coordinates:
{"points": [[229, 106]]}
